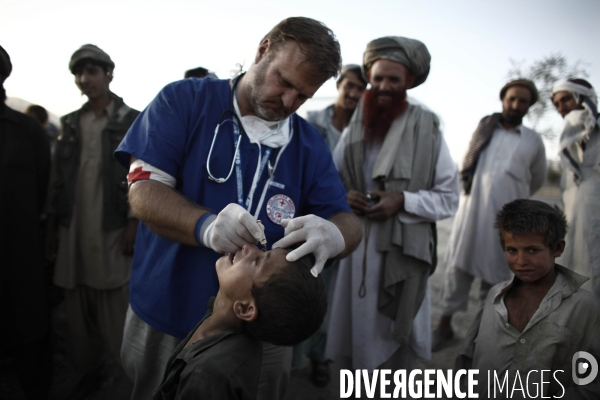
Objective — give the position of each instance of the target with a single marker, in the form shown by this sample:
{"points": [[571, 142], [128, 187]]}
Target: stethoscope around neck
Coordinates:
{"points": [[272, 160], [235, 121]]}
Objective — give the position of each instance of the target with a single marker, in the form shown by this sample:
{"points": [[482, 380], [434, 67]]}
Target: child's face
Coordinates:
{"points": [[238, 272], [528, 257]]}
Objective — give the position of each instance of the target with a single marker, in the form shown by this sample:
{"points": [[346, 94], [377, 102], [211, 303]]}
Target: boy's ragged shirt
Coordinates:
{"points": [[222, 366], [567, 321]]}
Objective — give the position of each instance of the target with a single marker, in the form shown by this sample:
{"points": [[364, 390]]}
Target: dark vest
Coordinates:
{"points": [[114, 176]]}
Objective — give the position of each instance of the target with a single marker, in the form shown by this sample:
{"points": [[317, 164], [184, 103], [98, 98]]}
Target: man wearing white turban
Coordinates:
{"points": [[400, 178], [576, 101]]}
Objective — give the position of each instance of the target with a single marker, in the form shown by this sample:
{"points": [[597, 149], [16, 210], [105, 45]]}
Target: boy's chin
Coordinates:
{"points": [[223, 262]]}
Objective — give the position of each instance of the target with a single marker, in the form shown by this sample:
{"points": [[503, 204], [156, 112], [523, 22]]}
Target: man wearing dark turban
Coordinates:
{"points": [[400, 179], [505, 161], [24, 311], [95, 226]]}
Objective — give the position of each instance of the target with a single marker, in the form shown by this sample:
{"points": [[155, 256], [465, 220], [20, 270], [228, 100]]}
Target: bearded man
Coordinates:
{"points": [[576, 101], [400, 179], [505, 161], [208, 159]]}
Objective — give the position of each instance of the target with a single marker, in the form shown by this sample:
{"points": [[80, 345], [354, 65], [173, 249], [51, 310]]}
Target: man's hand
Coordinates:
{"points": [[358, 202], [389, 204], [323, 239], [233, 228], [128, 239]]}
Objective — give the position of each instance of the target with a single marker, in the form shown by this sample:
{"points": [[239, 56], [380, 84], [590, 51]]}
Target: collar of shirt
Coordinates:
{"points": [[330, 126], [516, 129], [106, 111], [565, 284], [187, 353]]}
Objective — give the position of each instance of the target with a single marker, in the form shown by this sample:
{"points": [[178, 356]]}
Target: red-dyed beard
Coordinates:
{"points": [[377, 118]]}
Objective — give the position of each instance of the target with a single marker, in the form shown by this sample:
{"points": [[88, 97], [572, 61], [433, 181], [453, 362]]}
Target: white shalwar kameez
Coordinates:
{"points": [[582, 208], [512, 166]]}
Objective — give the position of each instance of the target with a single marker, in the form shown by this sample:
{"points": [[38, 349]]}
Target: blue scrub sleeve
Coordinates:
{"points": [[158, 136]]}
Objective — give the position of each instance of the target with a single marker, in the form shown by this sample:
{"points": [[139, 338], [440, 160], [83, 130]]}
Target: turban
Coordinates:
{"points": [[526, 83], [579, 123], [92, 52], [5, 65], [355, 68], [411, 53], [577, 89]]}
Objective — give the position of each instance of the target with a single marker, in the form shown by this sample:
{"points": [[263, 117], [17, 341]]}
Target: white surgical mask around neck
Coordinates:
{"points": [[269, 133]]}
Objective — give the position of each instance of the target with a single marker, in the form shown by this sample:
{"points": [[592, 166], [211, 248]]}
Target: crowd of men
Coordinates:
{"points": [[153, 217]]}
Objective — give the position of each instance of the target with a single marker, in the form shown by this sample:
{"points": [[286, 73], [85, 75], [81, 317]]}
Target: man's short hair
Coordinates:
{"points": [[317, 43], [291, 305], [38, 112], [523, 216], [199, 72], [79, 65], [5, 65]]}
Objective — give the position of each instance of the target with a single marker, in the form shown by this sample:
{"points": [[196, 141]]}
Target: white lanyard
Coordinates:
{"points": [[237, 158], [272, 173], [260, 167]]}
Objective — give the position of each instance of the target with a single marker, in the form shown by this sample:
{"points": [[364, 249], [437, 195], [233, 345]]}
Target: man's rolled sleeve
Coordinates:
{"points": [[439, 202]]}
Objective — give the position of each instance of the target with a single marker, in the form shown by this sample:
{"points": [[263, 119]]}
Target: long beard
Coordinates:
{"points": [[377, 118]]}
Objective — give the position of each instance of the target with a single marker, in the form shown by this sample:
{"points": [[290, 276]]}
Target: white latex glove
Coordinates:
{"points": [[323, 239], [233, 228]]}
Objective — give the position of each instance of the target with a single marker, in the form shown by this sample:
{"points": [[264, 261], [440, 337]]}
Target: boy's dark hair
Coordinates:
{"points": [[79, 65], [291, 305], [522, 216], [199, 72], [317, 43], [38, 112]]}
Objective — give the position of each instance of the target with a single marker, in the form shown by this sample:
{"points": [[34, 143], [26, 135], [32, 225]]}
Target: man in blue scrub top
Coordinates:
{"points": [[208, 158]]}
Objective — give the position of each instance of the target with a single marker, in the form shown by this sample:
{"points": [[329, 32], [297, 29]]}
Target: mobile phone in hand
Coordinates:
{"points": [[373, 199]]}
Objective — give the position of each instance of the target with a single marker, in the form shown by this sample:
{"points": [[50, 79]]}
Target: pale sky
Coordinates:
{"points": [[153, 42]]}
